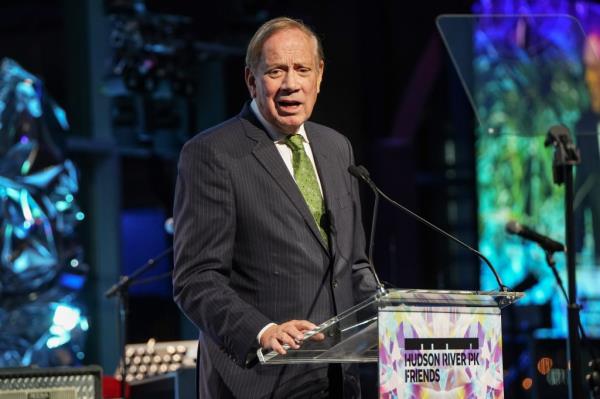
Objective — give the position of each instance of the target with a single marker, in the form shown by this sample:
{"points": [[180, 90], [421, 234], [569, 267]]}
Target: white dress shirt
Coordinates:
{"points": [[279, 140]]}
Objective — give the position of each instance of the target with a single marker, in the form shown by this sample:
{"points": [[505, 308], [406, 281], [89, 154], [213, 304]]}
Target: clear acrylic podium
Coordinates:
{"points": [[428, 343]]}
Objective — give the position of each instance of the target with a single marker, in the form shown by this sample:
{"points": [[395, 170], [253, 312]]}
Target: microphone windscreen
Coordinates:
{"points": [[355, 171], [364, 171], [513, 227]]}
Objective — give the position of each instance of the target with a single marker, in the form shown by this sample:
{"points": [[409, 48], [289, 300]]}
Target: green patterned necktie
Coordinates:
{"points": [[306, 179]]}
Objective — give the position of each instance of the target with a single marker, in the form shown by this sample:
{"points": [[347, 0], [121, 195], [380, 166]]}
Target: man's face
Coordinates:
{"points": [[286, 81]]}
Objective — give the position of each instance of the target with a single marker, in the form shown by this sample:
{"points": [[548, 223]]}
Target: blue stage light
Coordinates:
{"points": [[66, 317], [72, 281]]}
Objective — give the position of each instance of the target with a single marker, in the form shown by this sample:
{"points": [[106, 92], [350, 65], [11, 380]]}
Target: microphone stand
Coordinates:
{"points": [[552, 264], [121, 290], [380, 286], [566, 155]]}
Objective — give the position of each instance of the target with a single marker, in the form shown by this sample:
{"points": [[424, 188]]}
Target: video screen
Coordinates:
{"points": [[531, 71]]}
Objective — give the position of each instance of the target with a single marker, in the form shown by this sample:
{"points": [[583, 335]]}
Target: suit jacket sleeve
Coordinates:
{"points": [[205, 228]]}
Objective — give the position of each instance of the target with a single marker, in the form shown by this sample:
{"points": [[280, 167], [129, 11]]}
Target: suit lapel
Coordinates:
{"points": [[267, 155]]}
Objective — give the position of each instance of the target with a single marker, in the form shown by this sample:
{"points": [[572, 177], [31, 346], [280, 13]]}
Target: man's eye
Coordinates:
{"points": [[274, 72], [303, 71]]}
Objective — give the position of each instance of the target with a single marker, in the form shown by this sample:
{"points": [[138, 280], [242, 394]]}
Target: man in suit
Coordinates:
{"points": [[268, 235]]}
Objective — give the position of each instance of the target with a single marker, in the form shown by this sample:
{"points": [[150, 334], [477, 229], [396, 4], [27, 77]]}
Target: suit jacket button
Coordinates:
{"points": [[335, 284]]}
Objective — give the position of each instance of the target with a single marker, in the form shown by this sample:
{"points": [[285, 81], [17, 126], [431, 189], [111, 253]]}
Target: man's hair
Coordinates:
{"points": [[271, 27]]}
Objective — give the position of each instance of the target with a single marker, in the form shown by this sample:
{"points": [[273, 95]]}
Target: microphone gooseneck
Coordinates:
{"points": [[361, 173]]}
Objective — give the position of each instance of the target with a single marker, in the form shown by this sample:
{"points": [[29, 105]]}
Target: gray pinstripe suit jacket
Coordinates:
{"points": [[248, 252]]}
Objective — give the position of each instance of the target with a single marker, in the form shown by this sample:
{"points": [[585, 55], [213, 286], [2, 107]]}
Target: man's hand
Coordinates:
{"points": [[290, 333]]}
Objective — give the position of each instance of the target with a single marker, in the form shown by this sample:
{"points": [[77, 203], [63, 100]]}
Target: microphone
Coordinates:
{"points": [[357, 172], [361, 173], [547, 244], [169, 226]]}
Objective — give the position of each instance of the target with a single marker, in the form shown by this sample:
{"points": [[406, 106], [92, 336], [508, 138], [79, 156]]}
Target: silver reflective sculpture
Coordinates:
{"points": [[41, 259]]}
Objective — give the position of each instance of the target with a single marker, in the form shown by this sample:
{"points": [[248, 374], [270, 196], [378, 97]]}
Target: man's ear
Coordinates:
{"points": [[320, 77], [250, 81]]}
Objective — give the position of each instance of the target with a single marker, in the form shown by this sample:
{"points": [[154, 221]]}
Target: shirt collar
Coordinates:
{"points": [[275, 134]]}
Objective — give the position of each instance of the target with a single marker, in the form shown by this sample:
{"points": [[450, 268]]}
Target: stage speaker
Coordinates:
{"points": [[51, 383]]}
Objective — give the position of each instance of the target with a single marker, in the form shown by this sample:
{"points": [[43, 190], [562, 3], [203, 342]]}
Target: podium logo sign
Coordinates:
{"points": [[441, 354], [423, 357]]}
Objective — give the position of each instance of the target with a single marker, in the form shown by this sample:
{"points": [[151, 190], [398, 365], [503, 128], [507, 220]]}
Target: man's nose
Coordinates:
{"points": [[290, 82]]}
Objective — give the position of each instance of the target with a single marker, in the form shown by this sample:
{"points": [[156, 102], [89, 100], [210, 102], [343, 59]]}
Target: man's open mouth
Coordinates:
{"points": [[288, 104]]}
